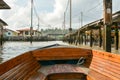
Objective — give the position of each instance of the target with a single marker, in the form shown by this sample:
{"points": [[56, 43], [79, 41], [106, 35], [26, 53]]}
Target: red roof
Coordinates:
{"points": [[26, 29]]}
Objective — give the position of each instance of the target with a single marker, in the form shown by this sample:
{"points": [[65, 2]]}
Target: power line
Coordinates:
{"points": [[67, 6], [64, 21], [36, 12], [94, 7], [89, 10]]}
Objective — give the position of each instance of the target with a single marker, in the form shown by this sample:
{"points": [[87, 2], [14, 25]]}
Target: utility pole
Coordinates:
{"points": [[31, 28], [70, 29], [107, 24], [81, 19], [38, 26], [64, 24]]}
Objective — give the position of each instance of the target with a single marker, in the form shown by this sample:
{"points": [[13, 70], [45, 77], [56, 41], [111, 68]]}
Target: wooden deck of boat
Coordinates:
{"points": [[62, 68], [45, 71]]}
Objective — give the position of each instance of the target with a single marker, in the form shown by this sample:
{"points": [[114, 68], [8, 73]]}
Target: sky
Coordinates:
{"points": [[51, 13]]}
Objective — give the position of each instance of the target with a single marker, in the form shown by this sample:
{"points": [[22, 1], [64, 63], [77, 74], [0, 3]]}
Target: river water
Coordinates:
{"points": [[13, 49]]}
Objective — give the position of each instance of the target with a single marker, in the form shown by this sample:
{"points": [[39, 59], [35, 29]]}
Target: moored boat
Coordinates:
{"points": [[59, 62]]}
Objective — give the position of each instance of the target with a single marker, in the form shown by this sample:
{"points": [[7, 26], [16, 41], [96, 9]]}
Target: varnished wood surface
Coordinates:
{"points": [[61, 68], [63, 76], [19, 68], [63, 71], [102, 65], [63, 53], [105, 66], [60, 53]]}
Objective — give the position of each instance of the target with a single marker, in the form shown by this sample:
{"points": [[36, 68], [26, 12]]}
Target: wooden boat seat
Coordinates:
{"points": [[19, 68]]}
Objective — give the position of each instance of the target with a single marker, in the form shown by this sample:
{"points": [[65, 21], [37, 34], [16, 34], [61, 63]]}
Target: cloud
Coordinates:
{"points": [[52, 12], [17, 16], [55, 17]]}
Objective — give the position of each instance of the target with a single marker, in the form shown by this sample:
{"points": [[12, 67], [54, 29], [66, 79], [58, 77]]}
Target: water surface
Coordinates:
{"points": [[13, 49]]}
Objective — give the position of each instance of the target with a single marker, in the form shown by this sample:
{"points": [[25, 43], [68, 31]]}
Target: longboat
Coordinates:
{"points": [[60, 62]]}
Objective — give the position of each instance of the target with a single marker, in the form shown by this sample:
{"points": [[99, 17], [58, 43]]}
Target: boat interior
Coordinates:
{"points": [[58, 62]]}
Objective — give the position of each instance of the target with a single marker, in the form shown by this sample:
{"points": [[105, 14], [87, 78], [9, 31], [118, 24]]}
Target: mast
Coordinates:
{"points": [[31, 28]]}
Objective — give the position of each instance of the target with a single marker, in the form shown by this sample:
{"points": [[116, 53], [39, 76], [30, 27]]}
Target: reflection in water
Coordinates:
{"points": [[13, 49]]}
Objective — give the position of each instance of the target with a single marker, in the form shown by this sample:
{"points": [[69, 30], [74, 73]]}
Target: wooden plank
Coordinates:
{"points": [[63, 54], [27, 70], [104, 72], [106, 55], [19, 67], [15, 70], [33, 72], [61, 68], [13, 62], [37, 76], [115, 67], [94, 75], [105, 66], [89, 78], [60, 53]]}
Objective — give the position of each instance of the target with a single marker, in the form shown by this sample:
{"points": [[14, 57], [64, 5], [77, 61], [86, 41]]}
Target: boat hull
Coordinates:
{"points": [[61, 62]]}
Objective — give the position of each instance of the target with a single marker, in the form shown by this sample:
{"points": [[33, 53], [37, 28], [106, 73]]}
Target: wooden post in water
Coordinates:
{"points": [[107, 24], [82, 39], [91, 38], [100, 37], [1, 37], [100, 34], [79, 37], [85, 37], [116, 36]]}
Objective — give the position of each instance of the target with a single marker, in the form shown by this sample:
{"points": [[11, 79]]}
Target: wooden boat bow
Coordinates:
{"points": [[60, 62]]}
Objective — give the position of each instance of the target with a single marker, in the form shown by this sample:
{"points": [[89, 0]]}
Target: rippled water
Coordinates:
{"points": [[13, 49]]}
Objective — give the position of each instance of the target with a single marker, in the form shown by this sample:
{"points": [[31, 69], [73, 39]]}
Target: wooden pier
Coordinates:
{"points": [[93, 34]]}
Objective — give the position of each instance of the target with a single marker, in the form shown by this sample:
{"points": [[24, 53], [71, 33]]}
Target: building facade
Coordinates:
{"points": [[24, 34]]}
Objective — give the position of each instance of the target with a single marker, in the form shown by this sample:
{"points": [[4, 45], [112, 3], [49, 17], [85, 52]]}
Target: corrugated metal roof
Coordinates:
{"points": [[26, 29], [2, 23], [3, 5]]}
